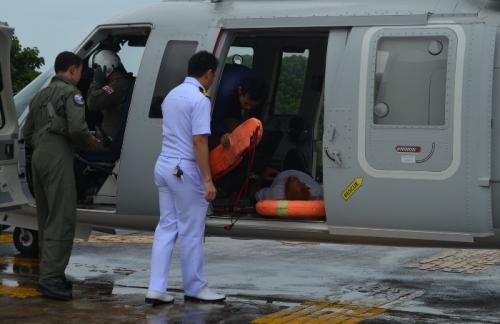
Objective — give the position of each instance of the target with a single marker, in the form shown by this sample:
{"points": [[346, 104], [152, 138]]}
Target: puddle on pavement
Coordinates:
{"points": [[459, 261], [18, 292], [123, 290], [353, 304], [374, 294], [322, 312], [83, 270], [92, 294], [123, 271], [23, 287], [9, 283], [19, 265], [18, 289], [298, 243], [116, 238]]}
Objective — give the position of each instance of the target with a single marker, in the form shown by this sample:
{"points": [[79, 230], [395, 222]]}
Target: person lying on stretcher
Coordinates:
{"points": [[291, 185]]}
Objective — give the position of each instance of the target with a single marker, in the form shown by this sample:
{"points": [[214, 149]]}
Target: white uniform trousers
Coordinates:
{"points": [[182, 216]]}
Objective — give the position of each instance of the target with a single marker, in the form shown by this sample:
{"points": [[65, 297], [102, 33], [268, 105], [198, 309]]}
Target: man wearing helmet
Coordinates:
{"points": [[108, 94]]}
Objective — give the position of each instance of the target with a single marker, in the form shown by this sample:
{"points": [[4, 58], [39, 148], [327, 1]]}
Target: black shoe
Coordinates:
{"points": [[55, 291], [68, 284]]}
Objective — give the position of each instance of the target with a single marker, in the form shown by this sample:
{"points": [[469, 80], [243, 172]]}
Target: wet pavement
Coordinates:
{"points": [[265, 281]]}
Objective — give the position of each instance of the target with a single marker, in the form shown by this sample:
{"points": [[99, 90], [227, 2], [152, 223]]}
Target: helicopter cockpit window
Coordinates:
{"points": [[2, 120], [172, 72], [131, 57], [240, 55], [410, 81], [128, 44], [129, 48]]}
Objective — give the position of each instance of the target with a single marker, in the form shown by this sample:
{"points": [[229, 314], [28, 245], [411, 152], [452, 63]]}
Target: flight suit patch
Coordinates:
{"points": [[78, 99], [108, 89]]}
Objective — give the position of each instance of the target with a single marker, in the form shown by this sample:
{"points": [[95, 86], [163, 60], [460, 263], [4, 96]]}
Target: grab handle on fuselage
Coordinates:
{"points": [[334, 156]]}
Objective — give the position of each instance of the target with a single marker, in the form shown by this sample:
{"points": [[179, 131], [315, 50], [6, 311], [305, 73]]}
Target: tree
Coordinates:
{"points": [[291, 82], [290, 85], [24, 64]]}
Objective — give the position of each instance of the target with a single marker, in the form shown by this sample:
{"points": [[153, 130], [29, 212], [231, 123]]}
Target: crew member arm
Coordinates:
{"points": [[77, 126], [200, 129], [29, 128], [200, 147], [101, 97]]}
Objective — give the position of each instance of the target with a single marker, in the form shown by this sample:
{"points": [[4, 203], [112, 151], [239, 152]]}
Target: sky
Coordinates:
{"points": [[54, 26]]}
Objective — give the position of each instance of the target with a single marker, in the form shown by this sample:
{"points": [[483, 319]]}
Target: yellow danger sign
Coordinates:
{"points": [[352, 188]]}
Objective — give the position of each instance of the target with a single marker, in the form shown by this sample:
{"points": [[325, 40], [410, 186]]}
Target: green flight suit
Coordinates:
{"points": [[110, 100], [54, 140]]}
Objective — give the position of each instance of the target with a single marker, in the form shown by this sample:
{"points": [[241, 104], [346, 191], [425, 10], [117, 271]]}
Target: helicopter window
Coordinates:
{"points": [[2, 120], [410, 81], [292, 77], [240, 55], [131, 57], [172, 72]]}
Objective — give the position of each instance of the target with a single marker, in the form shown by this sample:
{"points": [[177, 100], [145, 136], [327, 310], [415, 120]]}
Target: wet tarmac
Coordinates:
{"points": [[265, 281]]}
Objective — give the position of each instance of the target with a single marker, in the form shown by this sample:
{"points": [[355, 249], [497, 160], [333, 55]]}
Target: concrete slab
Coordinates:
{"points": [[323, 283]]}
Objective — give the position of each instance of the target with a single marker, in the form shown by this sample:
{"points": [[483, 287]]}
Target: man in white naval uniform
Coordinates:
{"points": [[182, 175]]}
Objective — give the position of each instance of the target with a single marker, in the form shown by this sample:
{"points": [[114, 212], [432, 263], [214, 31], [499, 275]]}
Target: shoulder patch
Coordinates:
{"points": [[78, 99], [108, 89], [204, 92]]}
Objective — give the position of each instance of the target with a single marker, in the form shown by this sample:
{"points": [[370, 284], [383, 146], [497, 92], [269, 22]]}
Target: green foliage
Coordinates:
{"points": [[24, 64], [290, 85]]}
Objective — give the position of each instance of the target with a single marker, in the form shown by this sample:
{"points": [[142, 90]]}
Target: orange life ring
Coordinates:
{"points": [[291, 208], [223, 160]]}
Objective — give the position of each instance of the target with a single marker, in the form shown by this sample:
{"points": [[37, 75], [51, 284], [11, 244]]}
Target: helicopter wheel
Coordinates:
{"points": [[26, 241]]}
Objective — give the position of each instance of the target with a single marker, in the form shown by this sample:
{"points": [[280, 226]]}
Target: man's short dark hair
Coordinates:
{"points": [[65, 60], [296, 189], [256, 88], [200, 63]]}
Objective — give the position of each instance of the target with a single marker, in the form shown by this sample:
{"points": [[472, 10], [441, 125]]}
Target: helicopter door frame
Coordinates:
{"points": [[400, 198], [166, 56], [11, 192]]}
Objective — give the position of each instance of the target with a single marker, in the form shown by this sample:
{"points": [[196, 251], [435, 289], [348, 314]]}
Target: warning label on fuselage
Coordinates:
{"points": [[352, 188]]}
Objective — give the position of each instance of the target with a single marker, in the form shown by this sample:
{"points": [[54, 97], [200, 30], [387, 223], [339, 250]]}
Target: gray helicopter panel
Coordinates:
{"points": [[380, 190]]}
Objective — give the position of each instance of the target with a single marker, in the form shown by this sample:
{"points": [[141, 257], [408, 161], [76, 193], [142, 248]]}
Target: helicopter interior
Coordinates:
{"points": [[294, 65]]}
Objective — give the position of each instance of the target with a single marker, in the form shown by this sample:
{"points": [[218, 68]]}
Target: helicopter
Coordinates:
{"points": [[397, 101]]}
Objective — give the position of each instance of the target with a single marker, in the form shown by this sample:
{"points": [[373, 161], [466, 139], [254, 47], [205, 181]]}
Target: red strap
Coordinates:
{"points": [[244, 186]]}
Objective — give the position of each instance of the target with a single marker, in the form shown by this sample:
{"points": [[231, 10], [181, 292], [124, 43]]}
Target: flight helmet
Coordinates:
{"points": [[106, 58]]}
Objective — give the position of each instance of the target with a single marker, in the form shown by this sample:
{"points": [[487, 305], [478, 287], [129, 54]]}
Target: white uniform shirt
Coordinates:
{"points": [[186, 112], [277, 189]]}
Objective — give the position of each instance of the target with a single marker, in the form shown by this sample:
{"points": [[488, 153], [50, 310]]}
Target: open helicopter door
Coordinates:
{"points": [[407, 135], [11, 193]]}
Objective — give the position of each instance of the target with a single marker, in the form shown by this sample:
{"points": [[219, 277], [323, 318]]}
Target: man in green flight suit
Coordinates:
{"points": [[108, 94], [54, 129]]}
